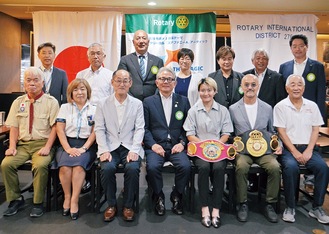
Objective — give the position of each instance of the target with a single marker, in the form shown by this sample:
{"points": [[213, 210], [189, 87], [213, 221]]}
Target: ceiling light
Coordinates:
{"points": [[151, 3]]}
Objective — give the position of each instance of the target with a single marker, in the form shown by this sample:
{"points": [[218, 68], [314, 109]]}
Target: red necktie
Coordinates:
{"points": [[32, 100]]}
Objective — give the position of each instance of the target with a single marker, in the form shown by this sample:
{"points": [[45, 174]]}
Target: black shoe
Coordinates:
{"points": [[205, 221], [37, 211], [243, 212], [14, 206], [86, 187], [177, 206], [75, 216], [270, 214], [160, 207], [215, 221], [66, 212]]}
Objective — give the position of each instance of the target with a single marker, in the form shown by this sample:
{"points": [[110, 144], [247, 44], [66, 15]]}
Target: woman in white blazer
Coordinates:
{"points": [[187, 80]]}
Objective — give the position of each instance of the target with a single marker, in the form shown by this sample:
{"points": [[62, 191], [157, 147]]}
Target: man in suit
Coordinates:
{"points": [[312, 71], [56, 81], [143, 67], [272, 88], [119, 128], [228, 81], [251, 113], [98, 77], [315, 82], [165, 139]]}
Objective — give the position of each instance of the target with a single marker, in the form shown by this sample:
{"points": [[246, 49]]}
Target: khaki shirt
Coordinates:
{"points": [[45, 113]]}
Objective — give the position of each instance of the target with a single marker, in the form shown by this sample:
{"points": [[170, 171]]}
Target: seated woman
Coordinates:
{"points": [[207, 119], [187, 81], [75, 130]]}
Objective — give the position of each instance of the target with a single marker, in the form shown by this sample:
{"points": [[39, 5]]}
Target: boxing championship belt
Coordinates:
{"points": [[256, 143], [211, 150]]}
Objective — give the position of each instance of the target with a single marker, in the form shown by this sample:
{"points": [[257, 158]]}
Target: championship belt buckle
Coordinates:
{"points": [[256, 144], [211, 150]]}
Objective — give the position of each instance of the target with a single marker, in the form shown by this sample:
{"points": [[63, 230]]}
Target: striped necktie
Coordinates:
{"points": [[142, 66]]}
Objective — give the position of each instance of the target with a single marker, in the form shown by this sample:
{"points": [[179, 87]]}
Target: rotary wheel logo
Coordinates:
{"points": [[182, 22]]}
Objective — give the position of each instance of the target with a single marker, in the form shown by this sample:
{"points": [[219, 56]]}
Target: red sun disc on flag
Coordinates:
{"points": [[72, 59]]}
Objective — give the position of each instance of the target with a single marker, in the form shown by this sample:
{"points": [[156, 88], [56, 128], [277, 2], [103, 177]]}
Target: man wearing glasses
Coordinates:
{"points": [[98, 77], [251, 113], [165, 140], [119, 128]]}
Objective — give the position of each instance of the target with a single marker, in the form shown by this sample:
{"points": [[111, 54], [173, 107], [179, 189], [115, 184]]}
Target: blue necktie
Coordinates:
{"points": [[142, 66]]}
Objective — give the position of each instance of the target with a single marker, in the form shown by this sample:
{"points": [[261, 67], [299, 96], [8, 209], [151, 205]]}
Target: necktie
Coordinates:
{"points": [[31, 115], [142, 66]]}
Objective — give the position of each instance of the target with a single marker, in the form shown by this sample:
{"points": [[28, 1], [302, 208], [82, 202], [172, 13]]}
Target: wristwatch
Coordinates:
{"points": [[182, 142], [85, 148]]}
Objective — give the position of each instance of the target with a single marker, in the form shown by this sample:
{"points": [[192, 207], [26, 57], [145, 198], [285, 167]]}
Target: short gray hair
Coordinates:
{"points": [[167, 69], [34, 71], [260, 51], [294, 75]]}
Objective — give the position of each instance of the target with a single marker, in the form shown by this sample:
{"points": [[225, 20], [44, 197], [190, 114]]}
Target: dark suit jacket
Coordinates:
{"points": [[314, 90], [141, 88], [272, 89], [58, 86], [220, 96], [156, 128]]}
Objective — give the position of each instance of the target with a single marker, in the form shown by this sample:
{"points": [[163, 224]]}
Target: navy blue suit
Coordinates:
{"points": [[156, 132], [58, 85], [314, 90]]}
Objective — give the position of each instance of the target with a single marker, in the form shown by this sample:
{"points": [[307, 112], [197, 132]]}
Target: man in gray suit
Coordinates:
{"points": [[119, 128], [55, 79], [143, 67], [251, 113]]}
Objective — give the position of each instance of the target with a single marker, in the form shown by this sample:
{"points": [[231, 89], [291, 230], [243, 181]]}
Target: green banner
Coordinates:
{"points": [[171, 23]]}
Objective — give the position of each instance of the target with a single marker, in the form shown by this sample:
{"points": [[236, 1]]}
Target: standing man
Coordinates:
{"points": [[312, 70], [98, 77], [251, 113], [297, 120], [228, 81], [32, 133], [271, 84], [119, 128], [55, 79], [143, 67], [165, 139]]}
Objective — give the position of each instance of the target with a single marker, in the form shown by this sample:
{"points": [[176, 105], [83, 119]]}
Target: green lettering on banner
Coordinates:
{"points": [[171, 23]]}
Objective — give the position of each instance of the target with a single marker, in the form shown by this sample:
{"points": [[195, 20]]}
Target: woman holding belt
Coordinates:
{"points": [[207, 119]]}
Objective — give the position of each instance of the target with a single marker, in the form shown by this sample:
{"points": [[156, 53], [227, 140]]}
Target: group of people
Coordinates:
{"points": [[144, 109]]}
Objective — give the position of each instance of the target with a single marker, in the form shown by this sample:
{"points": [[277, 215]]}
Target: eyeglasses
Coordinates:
{"points": [[98, 53], [252, 85], [124, 81], [168, 79]]}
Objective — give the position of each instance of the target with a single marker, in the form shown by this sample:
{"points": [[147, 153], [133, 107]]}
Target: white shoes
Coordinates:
{"points": [[319, 214], [289, 215]]}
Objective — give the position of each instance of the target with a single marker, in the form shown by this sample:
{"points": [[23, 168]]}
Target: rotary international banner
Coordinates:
{"points": [[272, 33], [168, 33], [73, 32]]}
